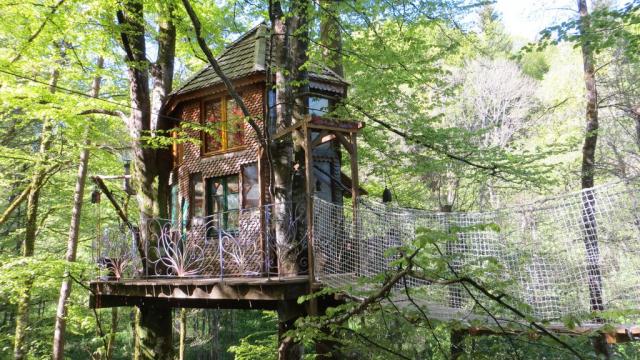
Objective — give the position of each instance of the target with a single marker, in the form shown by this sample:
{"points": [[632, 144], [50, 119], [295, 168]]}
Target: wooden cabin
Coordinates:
{"points": [[221, 243], [220, 186]]}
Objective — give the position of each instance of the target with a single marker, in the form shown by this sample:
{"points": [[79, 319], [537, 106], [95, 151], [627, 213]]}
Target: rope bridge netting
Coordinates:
{"points": [[557, 258]]}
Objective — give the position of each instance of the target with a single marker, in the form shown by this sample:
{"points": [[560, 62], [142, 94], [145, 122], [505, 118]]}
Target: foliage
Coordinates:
{"points": [[473, 120]]}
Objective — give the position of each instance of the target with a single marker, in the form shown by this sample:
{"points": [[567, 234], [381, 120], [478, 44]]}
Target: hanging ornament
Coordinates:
{"points": [[386, 195], [95, 196]]}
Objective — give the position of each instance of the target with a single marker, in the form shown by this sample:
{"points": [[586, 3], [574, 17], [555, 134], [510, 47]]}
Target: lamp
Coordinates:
{"points": [[95, 196], [126, 164], [386, 195]]}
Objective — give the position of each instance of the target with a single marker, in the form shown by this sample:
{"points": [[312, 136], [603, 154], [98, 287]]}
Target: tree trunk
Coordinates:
{"points": [[112, 334], [281, 152], [28, 247], [162, 75], [289, 55], [591, 135], [636, 118], [288, 348], [154, 333], [74, 232], [587, 174], [154, 327], [330, 35]]}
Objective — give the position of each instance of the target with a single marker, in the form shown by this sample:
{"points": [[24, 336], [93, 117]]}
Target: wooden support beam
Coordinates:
{"points": [[354, 170], [322, 138], [347, 145]]}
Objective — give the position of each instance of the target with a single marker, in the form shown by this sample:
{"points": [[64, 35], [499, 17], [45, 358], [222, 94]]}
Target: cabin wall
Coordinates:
{"points": [[241, 252], [224, 163]]}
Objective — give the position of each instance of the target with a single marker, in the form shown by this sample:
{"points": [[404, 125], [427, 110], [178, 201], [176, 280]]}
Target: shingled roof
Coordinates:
{"points": [[247, 56]]}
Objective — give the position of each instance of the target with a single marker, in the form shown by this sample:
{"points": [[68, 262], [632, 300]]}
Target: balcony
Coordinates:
{"points": [[235, 259]]}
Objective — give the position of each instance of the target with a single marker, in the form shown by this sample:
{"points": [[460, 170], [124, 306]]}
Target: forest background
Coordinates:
{"points": [[461, 115]]}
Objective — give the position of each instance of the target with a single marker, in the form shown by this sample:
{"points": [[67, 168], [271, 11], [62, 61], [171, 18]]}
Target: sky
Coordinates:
{"points": [[526, 18]]}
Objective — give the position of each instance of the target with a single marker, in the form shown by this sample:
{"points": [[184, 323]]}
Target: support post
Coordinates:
{"points": [[310, 189], [354, 201]]}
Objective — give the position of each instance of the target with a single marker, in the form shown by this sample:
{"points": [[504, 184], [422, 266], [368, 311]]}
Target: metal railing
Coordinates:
{"points": [[270, 241]]}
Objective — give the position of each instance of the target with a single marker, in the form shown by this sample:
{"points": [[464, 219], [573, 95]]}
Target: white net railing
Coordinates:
{"points": [[556, 258]]}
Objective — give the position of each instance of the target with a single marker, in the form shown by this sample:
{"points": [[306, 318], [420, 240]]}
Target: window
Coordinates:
{"points": [[250, 186], [175, 204], [225, 123], [196, 189], [223, 201], [271, 111], [318, 106], [177, 150]]}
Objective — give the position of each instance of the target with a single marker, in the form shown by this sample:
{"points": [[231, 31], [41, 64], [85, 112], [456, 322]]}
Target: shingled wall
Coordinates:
{"points": [[226, 163], [221, 164]]}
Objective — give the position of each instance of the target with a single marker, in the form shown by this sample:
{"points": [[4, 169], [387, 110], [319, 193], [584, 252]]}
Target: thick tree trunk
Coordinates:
{"points": [[330, 35], [74, 232], [288, 348], [587, 174], [162, 75], [28, 247], [154, 333], [282, 152], [154, 328], [112, 334], [289, 57]]}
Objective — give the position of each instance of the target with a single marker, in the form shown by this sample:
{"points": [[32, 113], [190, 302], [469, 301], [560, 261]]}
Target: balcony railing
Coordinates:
{"points": [[260, 242]]}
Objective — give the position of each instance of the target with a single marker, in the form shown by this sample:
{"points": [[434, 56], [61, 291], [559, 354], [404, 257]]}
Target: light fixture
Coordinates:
{"points": [[386, 195]]}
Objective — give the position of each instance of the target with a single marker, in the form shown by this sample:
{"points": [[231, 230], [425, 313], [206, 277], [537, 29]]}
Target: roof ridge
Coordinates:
{"points": [[224, 52], [242, 37]]}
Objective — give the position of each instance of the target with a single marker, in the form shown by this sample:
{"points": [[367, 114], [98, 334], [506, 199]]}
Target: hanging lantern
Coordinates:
{"points": [[386, 195], [126, 182], [95, 196]]}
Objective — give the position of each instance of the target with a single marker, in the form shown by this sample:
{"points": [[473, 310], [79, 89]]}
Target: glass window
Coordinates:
{"points": [[318, 106], [271, 103], [223, 200], [196, 189], [175, 204], [178, 150], [213, 139], [250, 186], [225, 125], [235, 124]]}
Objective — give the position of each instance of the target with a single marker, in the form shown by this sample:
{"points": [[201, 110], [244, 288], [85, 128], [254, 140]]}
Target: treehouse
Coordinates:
{"points": [[232, 234], [256, 226]]}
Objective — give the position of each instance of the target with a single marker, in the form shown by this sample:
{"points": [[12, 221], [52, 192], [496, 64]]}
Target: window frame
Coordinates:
{"points": [[177, 150], [224, 138], [224, 182]]}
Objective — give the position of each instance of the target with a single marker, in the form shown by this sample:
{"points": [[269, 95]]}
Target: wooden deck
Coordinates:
{"points": [[267, 293], [228, 293]]}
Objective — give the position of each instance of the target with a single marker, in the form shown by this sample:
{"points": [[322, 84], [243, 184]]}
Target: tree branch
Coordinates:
{"points": [[33, 36], [115, 113]]}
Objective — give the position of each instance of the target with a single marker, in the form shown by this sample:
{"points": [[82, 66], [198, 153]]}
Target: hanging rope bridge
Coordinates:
{"points": [[575, 256]]}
